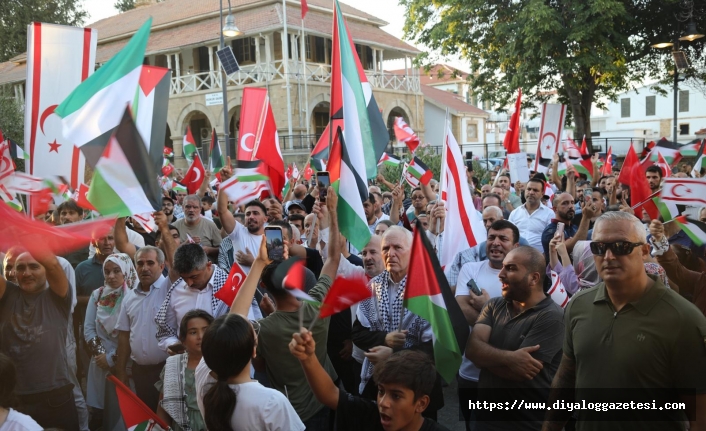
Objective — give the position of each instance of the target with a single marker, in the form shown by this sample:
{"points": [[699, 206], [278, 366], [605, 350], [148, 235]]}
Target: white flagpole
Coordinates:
{"points": [[306, 78], [285, 48], [442, 180]]}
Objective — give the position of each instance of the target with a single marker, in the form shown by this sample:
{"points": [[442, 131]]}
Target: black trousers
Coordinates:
{"points": [[144, 377], [52, 409], [467, 391]]}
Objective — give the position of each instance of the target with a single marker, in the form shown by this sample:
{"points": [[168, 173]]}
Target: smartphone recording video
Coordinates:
{"points": [[275, 242], [323, 181]]}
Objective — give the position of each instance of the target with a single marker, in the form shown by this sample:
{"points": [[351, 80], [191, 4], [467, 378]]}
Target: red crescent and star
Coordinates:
{"points": [[53, 146]]}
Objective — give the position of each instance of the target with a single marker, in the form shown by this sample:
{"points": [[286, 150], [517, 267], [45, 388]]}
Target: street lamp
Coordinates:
{"points": [[680, 64], [227, 30]]}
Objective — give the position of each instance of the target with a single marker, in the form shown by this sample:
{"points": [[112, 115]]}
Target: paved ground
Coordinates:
{"points": [[448, 416]]}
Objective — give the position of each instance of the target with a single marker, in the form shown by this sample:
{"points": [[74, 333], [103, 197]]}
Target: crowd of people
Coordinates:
{"points": [[144, 307]]}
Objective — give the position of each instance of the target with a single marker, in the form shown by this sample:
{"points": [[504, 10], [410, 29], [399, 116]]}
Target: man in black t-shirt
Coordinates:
{"points": [[405, 380]]}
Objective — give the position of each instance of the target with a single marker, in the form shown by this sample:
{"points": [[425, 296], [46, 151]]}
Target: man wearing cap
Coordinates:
{"points": [[295, 207]]}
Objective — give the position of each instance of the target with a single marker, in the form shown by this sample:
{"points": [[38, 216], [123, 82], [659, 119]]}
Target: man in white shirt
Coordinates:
{"points": [[137, 336], [503, 237], [200, 281], [532, 217], [246, 238]]}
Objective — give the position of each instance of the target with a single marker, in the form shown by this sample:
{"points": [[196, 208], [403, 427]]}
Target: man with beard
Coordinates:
{"points": [[419, 203], [564, 211], [370, 216], [246, 238], [168, 209], [654, 177], [516, 342], [503, 237], [202, 231]]}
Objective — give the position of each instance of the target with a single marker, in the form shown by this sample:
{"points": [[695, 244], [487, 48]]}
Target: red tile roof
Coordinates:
{"points": [[439, 73], [448, 99]]}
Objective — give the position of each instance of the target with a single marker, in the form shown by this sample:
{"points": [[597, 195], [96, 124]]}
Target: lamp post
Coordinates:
{"points": [[229, 30], [680, 64]]}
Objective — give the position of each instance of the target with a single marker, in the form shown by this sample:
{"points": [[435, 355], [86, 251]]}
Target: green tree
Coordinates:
{"points": [[588, 51], [124, 5], [12, 119], [15, 15]]}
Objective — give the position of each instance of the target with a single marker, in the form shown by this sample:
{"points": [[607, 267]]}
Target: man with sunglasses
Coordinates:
{"points": [[629, 331]]}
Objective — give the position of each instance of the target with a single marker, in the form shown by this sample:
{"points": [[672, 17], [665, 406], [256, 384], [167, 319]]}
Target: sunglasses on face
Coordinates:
{"points": [[619, 248]]}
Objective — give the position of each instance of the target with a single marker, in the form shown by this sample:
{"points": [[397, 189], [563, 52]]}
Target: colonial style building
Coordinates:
{"points": [[185, 36]]}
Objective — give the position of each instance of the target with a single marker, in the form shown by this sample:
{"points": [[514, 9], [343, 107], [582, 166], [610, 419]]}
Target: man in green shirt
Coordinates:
{"points": [[283, 369], [630, 332]]}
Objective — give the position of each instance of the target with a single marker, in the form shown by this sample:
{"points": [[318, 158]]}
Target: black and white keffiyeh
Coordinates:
{"points": [[164, 329], [174, 399], [384, 313]]}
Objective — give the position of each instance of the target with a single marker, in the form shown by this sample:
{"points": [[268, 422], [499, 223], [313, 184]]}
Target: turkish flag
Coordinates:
{"points": [[343, 294], [194, 176], [308, 172], [40, 201], [230, 288], [630, 161], [37, 237], [512, 136]]}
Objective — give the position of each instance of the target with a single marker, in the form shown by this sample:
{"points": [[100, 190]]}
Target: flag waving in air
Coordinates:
{"points": [[134, 414], [96, 106], [389, 160], [195, 175], [343, 294], [216, 161], [420, 170], [462, 221], [189, 145], [405, 134], [512, 137], [695, 230], [428, 295], [125, 181], [236, 278]]}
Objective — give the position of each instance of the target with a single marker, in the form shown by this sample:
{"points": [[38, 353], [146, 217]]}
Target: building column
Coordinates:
{"points": [[375, 60], [178, 147], [210, 58], [257, 50]]}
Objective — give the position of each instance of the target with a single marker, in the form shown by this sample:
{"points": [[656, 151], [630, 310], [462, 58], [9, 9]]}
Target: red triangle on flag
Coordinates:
{"points": [[133, 409], [150, 77]]}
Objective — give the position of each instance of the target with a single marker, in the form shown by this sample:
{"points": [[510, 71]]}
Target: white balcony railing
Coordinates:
{"points": [[261, 73]]}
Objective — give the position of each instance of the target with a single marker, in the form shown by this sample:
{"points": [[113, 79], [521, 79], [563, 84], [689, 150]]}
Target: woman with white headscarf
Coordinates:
{"points": [[100, 326]]}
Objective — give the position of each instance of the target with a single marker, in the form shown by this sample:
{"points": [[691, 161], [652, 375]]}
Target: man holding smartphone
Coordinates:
{"points": [[245, 238], [564, 213], [503, 237]]}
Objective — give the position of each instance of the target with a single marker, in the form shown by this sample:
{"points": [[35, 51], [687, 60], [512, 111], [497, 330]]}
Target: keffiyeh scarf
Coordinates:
{"points": [[384, 313], [174, 389]]}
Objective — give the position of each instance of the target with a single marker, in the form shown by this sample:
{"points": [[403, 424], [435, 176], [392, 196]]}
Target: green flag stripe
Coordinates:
{"points": [[124, 62], [102, 196], [355, 229], [447, 354]]}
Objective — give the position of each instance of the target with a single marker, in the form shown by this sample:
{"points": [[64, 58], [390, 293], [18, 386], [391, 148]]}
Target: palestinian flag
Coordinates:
{"points": [[217, 161], [428, 295], [189, 145], [16, 152], [420, 170], [389, 160], [692, 150], [695, 230], [125, 181], [352, 100], [149, 109], [179, 187], [132, 414], [698, 166], [96, 106], [251, 171], [669, 150], [411, 179], [668, 210], [354, 157], [320, 153]]}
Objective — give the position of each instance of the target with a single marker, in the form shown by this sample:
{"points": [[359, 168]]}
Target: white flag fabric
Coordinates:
{"points": [[59, 58], [684, 191], [550, 131], [558, 291], [463, 228]]}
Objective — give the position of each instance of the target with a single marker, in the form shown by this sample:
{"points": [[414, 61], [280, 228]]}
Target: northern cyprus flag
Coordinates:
{"points": [[96, 106]]}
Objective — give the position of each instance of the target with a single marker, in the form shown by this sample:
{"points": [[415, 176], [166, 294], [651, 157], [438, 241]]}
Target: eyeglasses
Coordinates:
{"points": [[417, 198], [619, 248]]}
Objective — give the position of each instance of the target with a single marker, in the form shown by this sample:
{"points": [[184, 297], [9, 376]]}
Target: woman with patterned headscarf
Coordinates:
{"points": [[100, 326]]}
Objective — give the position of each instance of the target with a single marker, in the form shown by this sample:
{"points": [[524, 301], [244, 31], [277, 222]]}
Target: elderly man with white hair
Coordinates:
{"points": [[382, 323]]}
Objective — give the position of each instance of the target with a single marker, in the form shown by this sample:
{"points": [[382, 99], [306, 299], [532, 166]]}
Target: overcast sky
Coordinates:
{"points": [[388, 10]]}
